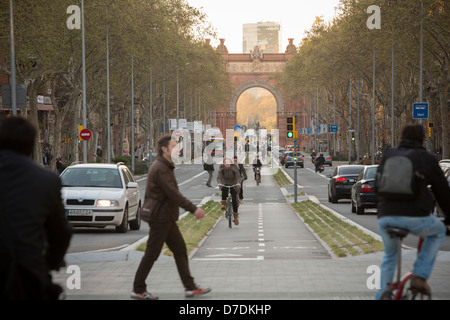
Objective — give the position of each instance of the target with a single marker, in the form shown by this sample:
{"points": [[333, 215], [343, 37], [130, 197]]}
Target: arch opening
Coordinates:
{"points": [[256, 108]]}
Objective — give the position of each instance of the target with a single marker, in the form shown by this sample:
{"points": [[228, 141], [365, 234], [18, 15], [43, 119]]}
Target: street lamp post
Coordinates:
{"points": [[373, 109], [164, 101], [132, 114], [151, 118], [178, 98], [13, 60], [83, 54], [357, 125], [350, 123], [108, 116]]}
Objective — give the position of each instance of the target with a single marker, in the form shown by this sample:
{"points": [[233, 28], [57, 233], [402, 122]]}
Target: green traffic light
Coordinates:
{"points": [[290, 134]]}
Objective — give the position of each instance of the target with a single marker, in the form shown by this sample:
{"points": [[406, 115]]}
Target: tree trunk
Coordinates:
{"points": [[32, 95]]}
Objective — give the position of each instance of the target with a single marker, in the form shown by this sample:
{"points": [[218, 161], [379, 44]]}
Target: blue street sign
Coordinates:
{"points": [[333, 128], [237, 128], [420, 110]]}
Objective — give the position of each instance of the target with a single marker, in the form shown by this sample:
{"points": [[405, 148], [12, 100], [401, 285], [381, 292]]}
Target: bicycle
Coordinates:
{"points": [[396, 289], [229, 204], [258, 176]]}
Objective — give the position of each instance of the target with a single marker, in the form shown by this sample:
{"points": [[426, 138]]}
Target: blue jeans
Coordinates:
{"points": [[430, 228]]}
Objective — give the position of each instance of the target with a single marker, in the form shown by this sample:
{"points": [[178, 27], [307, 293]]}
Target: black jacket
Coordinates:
{"points": [[34, 226], [319, 161], [426, 164]]}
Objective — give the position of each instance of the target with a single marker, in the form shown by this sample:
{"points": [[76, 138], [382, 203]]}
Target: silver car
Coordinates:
{"points": [[99, 195]]}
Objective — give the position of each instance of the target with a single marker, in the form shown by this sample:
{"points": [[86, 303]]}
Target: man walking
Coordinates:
{"points": [[162, 187], [209, 167]]}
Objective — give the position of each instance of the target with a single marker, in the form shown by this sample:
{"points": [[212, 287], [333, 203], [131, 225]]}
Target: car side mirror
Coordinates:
{"points": [[132, 185]]}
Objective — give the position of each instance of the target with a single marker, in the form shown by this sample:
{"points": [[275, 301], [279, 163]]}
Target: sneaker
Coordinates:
{"points": [[196, 292], [143, 296], [420, 284]]}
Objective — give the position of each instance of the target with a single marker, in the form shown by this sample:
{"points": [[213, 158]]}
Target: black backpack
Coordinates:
{"points": [[398, 178]]}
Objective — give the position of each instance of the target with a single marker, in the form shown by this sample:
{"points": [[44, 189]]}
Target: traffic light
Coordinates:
{"points": [[290, 127], [353, 136]]}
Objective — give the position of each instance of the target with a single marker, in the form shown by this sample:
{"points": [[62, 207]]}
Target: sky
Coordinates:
{"points": [[294, 16]]}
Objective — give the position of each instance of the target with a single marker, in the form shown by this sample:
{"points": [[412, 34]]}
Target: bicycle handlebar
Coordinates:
{"points": [[232, 186]]}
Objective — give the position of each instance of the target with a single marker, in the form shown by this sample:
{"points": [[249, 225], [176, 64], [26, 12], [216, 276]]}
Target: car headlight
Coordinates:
{"points": [[107, 203]]}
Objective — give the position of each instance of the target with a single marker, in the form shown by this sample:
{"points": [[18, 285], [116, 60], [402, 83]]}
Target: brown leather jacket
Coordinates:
{"points": [[162, 186], [229, 175]]}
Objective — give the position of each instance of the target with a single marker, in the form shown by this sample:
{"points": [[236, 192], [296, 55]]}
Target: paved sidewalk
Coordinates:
{"points": [[276, 264]]}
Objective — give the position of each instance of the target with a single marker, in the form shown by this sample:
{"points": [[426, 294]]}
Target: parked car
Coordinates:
{"points": [[363, 195], [277, 152], [289, 160], [445, 166], [341, 182], [291, 148], [100, 195], [146, 158], [327, 157]]}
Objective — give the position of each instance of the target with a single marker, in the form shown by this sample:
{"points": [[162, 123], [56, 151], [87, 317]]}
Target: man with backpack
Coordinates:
{"points": [[406, 201]]}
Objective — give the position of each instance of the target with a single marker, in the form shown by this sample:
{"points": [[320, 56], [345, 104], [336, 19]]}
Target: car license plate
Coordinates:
{"points": [[78, 212], [351, 180]]}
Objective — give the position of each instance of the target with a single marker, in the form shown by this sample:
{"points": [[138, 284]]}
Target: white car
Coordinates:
{"points": [[99, 195]]}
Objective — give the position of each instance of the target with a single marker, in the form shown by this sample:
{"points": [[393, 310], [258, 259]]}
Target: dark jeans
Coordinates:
{"points": [[210, 175], [169, 233], [233, 197]]}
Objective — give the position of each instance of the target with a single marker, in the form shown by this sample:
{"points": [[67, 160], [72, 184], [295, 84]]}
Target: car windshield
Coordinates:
{"points": [[91, 177], [350, 170], [371, 173]]}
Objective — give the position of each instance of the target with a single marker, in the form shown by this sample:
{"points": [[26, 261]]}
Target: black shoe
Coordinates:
{"points": [[420, 284]]}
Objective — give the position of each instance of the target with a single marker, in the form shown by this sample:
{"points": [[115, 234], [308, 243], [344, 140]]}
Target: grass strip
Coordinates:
{"points": [[194, 230], [280, 177], [344, 239]]}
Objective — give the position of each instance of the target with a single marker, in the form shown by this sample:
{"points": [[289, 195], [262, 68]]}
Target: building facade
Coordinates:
{"points": [[265, 35]]}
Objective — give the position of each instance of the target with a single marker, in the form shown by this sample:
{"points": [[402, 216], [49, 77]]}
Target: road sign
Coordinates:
{"points": [[85, 134], [21, 96], [420, 110], [237, 128], [177, 133], [333, 128]]}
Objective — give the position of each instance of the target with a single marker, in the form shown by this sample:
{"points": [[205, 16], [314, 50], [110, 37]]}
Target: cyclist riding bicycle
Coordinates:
{"points": [[414, 215], [229, 175], [257, 164]]}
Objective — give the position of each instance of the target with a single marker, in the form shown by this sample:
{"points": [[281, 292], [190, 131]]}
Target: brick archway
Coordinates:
{"points": [[255, 69], [256, 83]]}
